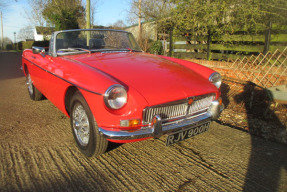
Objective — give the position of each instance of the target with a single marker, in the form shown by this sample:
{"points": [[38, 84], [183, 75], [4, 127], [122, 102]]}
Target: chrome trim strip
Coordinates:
{"points": [[55, 33], [152, 132]]}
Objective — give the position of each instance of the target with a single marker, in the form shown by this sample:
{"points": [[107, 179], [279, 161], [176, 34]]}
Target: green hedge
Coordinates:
{"points": [[25, 45], [28, 44]]}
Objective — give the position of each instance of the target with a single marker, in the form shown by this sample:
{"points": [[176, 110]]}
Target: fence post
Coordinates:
{"points": [[267, 38], [170, 42], [208, 45]]}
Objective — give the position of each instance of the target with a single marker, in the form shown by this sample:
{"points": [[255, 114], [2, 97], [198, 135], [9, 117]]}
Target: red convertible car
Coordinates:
{"points": [[114, 92]]}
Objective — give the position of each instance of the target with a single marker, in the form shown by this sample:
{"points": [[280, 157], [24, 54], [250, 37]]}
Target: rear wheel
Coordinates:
{"points": [[85, 129], [34, 93]]}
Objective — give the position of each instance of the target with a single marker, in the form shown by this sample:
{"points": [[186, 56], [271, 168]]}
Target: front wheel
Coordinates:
{"points": [[34, 93], [85, 129]]}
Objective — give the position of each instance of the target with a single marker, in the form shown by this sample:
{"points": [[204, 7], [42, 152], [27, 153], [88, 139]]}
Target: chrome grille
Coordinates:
{"points": [[179, 108], [200, 104]]}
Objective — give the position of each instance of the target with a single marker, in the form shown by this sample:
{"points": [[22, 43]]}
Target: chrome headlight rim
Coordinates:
{"points": [[216, 79], [113, 104]]}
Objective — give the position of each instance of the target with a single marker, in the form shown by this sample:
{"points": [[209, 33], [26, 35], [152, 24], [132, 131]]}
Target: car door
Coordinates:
{"points": [[39, 72]]}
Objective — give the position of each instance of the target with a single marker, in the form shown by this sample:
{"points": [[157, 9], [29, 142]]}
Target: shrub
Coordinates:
{"points": [[27, 44], [156, 48], [9, 46]]}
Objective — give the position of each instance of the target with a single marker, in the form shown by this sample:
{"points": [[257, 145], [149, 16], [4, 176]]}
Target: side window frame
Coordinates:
{"points": [[51, 45]]}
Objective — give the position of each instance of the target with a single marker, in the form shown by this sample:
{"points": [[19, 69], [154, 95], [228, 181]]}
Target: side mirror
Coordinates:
{"points": [[37, 50]]}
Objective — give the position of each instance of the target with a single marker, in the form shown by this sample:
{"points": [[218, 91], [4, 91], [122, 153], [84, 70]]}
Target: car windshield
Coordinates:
{"points": [[83, 41]]}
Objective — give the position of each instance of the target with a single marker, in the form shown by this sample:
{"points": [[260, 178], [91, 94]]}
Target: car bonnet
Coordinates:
{"points": [[158, 80]]}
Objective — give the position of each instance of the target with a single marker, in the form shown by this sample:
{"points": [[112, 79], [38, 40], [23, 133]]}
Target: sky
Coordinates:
{"points": [[14, 16]]}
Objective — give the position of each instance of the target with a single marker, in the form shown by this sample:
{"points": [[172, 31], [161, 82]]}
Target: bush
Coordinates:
{"points": [[156, 48], [20, 45], [27, 44], [9, 47]]}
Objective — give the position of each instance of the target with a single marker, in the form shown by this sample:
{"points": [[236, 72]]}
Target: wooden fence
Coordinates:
{"points": [[228, 47]]}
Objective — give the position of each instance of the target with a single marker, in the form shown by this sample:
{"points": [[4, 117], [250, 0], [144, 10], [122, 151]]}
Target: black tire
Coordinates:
{"points": [[34, 93], [83, 122]]}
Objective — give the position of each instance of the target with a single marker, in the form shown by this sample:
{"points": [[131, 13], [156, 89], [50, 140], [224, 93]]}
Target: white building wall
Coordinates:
{"points": [[37, 37], [148, 31]]}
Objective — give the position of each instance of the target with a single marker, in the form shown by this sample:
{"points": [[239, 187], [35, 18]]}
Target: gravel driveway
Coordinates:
{"points": [[38, 153]]}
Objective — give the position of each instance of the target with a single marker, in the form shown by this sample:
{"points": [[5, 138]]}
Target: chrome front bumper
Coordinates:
{"points": [[159, 127]]}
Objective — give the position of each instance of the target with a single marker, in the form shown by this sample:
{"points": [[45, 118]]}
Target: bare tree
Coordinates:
{"points": [[118, 25], [26, 33], [35, 14], [157, 12], [150, 10], [94, 5]]}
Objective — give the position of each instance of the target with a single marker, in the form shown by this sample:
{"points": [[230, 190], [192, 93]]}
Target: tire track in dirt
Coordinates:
{"points": [[49, 169], [192, 160], [123, 180], [210, 167], [72, 162], [93, 170], [172, 158], [223, 164], [29, 167], [155, 175]]}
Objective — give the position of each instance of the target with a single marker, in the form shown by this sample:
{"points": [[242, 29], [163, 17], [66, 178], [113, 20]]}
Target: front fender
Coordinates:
{"points": [[110, 119]]}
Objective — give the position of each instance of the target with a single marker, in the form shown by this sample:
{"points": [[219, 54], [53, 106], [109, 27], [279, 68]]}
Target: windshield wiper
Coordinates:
{"points": [[75, 50], [81, 49], [115, 50]]}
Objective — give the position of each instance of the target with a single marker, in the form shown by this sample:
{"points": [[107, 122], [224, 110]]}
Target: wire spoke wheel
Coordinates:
{"points": [[30, 84], [81, 124], [34, 93], [84, 127]]}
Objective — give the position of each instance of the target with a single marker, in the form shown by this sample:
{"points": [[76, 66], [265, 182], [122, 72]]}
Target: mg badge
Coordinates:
{"points": [[190, 101]]}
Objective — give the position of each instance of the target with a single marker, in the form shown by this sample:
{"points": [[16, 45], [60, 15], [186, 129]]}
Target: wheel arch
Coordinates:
{"points": [[68, 96], [25, 68]]}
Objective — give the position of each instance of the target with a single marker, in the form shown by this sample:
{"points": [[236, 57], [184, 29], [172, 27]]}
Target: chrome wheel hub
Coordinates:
{"points": [[29, 84], [81, 124]]}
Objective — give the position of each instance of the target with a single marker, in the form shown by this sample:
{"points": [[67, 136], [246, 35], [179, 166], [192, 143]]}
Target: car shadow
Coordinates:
{"points": [[262, 169], [112, 146], [225, 88]]}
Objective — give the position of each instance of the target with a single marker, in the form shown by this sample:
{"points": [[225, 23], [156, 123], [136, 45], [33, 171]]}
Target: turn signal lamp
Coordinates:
{"points": [[130, 123], [220, 100]]}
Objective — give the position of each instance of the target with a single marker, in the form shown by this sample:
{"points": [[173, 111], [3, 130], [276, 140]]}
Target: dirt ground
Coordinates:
{"points": [[38, 153]]}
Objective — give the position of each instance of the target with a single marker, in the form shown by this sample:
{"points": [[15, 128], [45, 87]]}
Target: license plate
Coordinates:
{"points": [[182, 135]]}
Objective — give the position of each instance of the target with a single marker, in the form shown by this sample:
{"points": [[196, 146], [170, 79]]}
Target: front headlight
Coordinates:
{"points": [[115, 97], [216, 79]]}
